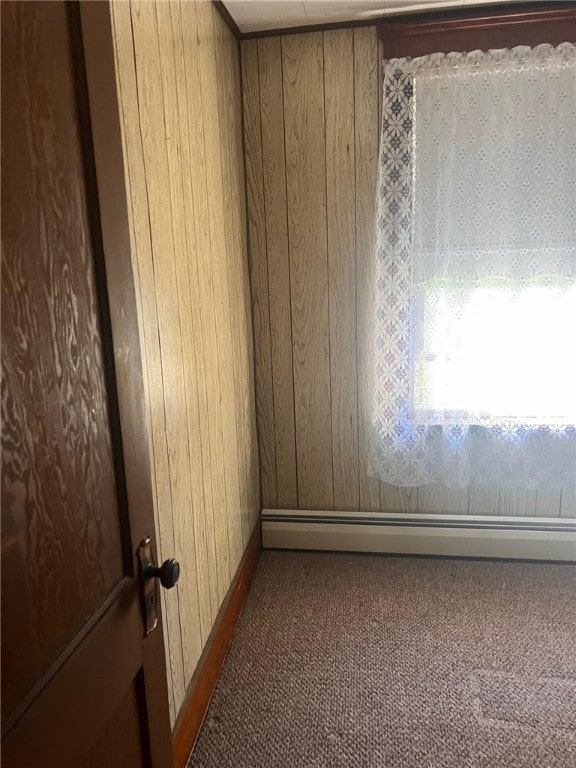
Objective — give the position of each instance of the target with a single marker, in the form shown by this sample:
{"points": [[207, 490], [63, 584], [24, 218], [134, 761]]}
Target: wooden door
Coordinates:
{"points": [[81, 685]]}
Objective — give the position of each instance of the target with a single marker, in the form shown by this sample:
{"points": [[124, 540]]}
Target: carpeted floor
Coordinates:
{"points": [[354, 660]]}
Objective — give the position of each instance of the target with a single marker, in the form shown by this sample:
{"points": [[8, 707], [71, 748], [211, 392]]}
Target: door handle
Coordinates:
{"points": [[168, 574]]}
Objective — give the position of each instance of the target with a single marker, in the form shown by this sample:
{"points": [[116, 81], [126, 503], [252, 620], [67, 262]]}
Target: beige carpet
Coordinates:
{"points": [[353, 660]]}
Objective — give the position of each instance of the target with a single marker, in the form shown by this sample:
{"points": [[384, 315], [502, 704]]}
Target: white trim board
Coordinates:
{"points": [[531, 538]]}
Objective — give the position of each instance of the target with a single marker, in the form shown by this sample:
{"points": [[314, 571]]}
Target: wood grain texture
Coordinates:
{"points": [[568, 504], [522, 503], [200, 276], [157, 174], [472, 29], [201, 535], [366, 129], [341, 221], [192, 500], [483, 501], [396, 499], [144, 275], [61, 548], [274, 177], [544, 502], [241, 279], [178, 72], [439, 500], [78, 145], [225, 489], [305, 146], [236, 317], [244, 296], [119, 744], [316, 97], [259, 271]]}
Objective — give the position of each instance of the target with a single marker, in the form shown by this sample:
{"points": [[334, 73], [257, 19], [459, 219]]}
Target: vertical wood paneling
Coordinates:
{"points": [[483, 501], [149, 95], [238, 277], [326, 104], [519, 503], [200, 276], [231, 164], [146, 301], [225, 489], [259, 271], [568, 503], [396, 499], [178, 72], [366, 130], [442, 501], [545, 502], [304, 131], [274, 178], [219, 206], [193, 337], [341, 220], [503, 501], [192, 498], [244, 311]]}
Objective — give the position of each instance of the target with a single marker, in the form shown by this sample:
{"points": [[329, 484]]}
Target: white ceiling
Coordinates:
{"points": [[259, 15]]}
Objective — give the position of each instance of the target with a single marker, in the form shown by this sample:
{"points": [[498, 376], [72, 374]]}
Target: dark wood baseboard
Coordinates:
{"points": [[203, 683]]}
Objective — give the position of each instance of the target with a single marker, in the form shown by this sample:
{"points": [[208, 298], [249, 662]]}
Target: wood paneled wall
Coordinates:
{"points": [[311, 125], [179, 80]]}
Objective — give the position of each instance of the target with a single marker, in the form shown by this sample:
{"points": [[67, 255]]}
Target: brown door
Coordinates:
{"points": [[81, 685]]}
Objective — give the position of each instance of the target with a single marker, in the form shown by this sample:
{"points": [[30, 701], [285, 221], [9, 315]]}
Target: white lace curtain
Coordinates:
{"points": [[474, 334]]}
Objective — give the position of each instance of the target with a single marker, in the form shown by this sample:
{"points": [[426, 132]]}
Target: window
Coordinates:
{"points": [[493, 221], [475, 321]]}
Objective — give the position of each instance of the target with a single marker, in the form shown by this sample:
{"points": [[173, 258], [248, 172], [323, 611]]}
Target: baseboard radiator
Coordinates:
{"points": [[421, 534]]}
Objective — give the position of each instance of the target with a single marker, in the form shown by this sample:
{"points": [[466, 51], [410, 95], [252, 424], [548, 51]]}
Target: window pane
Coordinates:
{"points": [[489, 352]]}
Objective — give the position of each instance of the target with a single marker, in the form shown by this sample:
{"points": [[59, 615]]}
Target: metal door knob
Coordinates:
{"points": [[168, 573]]}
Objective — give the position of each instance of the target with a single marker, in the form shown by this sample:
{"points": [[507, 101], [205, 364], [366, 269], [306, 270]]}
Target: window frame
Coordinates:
{"points": [[478, 29]]}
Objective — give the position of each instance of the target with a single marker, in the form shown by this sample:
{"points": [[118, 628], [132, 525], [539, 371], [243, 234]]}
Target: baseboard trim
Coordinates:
{"points": [[204, 680], [521, 538]]}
